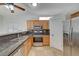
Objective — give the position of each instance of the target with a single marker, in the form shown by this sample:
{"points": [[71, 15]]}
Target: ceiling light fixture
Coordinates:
{"points": [[10, 6], [44, 18], [34, 4]]}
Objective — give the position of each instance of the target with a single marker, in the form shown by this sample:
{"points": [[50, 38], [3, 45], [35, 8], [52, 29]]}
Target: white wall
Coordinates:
{"points": [[16, 23]]}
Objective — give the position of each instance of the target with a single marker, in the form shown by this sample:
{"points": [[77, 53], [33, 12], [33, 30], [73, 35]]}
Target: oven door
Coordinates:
{"points": [[37, 39]]}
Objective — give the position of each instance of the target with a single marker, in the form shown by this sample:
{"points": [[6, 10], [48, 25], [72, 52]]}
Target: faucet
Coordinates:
{"points": [[18, 35]]}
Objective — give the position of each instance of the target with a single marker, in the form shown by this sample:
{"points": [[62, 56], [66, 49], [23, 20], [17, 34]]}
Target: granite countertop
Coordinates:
{"points": [[2, 34], [8, 47]]}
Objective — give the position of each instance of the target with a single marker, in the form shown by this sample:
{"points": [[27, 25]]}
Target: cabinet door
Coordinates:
{"points": [[29, 24], [36, 22], [46, 40], [30, 40], [45, 24], [25, 49], [27, 46]]}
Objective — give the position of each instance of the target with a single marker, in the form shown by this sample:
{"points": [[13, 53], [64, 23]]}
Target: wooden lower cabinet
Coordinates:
{"points": [[27, 46], [24, 50], [46, 40]]}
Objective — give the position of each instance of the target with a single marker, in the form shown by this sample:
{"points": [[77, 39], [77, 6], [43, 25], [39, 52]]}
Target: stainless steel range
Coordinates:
{"points": [[37, 36]]}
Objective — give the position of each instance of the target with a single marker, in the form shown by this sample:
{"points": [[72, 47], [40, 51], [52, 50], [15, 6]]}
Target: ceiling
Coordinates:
{"points": [[42, 9], [53, 8]]}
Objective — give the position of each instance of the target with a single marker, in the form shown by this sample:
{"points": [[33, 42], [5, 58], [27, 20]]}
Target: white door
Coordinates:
{"points": [[56, 34]]}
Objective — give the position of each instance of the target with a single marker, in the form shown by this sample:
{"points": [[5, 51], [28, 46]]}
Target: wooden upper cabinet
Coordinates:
{"points": [[29, 24], [35, 22], [45, 24]]}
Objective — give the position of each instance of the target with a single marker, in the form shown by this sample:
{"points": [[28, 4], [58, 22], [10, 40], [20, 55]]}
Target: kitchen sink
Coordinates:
{"points": [[14, 40]]}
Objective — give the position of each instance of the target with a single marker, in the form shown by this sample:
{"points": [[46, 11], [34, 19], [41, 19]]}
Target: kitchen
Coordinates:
{"points": [[35, 29], [37, 36]]}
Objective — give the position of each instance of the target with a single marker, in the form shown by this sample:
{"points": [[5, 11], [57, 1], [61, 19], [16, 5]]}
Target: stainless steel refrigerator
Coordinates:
{"points": [[71, 38]]}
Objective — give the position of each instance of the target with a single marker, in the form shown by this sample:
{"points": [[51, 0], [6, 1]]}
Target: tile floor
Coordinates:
{"points": [[44, 51]]}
